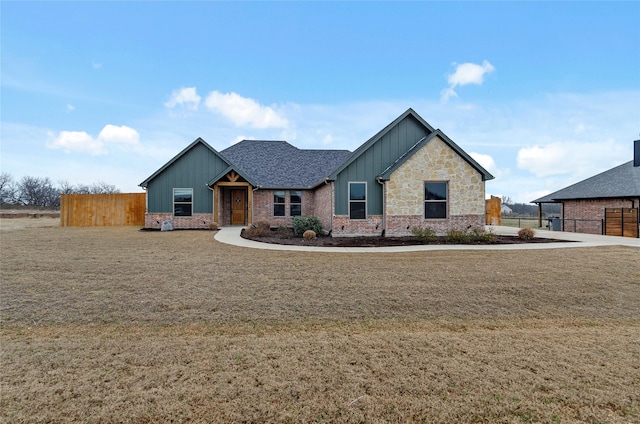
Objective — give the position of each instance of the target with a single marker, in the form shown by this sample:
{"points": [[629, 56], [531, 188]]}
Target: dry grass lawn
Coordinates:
{"points": [[117, 325]]}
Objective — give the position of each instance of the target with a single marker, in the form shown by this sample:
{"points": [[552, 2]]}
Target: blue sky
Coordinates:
{"points": [[543, 94]]}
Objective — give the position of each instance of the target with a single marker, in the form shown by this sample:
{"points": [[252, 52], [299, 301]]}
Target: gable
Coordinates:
{"points": [[199, 155], [191, 168], [385, 152], [439, 135], [385, 147], [435, 161]]}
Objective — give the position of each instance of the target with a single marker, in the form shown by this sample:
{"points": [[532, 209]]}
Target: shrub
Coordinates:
{"points": [[481, 235], [526, 233], [309, 235], [458, 236], [425, 235], [304, 223], [284, 232], [259, 229]]}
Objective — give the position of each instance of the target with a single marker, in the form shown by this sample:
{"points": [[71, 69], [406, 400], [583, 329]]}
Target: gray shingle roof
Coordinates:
{"points": [[278, 164], [623, 181]]}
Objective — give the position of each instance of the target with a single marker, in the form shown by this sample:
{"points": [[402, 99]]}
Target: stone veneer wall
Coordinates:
{"points": [[197, 221], [435, 161], [401, 225], [592, 212]]}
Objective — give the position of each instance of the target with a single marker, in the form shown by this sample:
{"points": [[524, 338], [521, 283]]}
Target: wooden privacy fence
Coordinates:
{"points": [[621, 222], [101, 210], [493, 212]]}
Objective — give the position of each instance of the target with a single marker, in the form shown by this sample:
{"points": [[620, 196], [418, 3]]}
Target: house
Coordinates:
{"points": [[408, 174], [606, 203], [505, 210]]}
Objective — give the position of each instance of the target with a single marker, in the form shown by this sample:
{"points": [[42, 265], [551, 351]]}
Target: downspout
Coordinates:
{"points": [[213, 203], [384, 204], [251, 201], [326, 182]]}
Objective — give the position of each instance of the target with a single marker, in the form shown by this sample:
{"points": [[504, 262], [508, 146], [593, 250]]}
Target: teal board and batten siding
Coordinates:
{"points": [[191, 170], [373, 161]]}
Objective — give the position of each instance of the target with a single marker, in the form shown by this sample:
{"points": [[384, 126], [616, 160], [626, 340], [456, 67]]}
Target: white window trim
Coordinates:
{"points": [[359, 201]]}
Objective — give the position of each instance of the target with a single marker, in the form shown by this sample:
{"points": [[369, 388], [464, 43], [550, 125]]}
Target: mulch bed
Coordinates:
{"points": [[383, 241]]}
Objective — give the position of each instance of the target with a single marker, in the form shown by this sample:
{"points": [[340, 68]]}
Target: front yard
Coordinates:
{"points": [[118, 325]]}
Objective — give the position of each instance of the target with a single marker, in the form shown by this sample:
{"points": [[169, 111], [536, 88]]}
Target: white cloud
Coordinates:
{"points": [[185, 97], [243, 111], [70, 108], [96, 65], [77, 141], [120, 135], [466, 73], [580, 159], [81, 141], [327, 139], [487, 162]]}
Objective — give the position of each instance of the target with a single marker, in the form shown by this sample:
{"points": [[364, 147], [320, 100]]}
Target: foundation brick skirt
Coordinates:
{"points": [[196, 221]]}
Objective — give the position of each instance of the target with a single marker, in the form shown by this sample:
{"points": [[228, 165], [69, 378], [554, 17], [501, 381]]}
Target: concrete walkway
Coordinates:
{"points": [[231, 235]]}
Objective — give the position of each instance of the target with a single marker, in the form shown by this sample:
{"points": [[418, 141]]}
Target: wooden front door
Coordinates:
{"points": [[237, 207]]}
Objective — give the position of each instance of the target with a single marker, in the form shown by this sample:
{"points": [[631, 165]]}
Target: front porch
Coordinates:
{"points": [[232, 200]]}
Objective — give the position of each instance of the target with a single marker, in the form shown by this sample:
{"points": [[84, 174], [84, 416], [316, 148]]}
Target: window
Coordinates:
{"points": [[278, 203], [357, 200], [295, 202], [182, 201], [435, 200]]}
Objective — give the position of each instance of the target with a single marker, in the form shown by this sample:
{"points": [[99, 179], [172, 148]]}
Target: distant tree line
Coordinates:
{"points": [[41, 193], [529, 209]]}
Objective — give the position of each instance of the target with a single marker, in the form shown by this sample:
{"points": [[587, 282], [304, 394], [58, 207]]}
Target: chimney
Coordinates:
{"points": [[636, 153]]}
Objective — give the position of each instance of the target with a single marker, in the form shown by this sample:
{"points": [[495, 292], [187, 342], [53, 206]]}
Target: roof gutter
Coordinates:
{"points": [[383, 183], [327, 181]]}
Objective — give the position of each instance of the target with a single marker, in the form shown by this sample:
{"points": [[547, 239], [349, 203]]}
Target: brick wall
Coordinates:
{"points": [[585, 216], [322, 203], [343, 226], [263, 207]]}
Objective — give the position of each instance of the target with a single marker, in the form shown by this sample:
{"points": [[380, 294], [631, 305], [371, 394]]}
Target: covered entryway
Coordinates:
{"points": [[232, 200]]}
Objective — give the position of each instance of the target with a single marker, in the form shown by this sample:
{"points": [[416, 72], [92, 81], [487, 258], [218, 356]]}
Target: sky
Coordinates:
{"points": [[542, 94]]}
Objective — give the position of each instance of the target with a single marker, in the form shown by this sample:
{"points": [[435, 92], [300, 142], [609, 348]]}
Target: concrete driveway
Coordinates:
{"points": [[231, 235]]}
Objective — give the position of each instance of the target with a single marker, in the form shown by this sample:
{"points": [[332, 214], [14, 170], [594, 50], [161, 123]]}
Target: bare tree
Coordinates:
{"points": [[506, 200], [103, 188], [38, 192], [96, 188], [65, 187], [7, 189]]}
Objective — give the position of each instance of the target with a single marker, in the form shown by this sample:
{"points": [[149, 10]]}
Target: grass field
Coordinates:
{"points": [[118, 325], [522, 222]]}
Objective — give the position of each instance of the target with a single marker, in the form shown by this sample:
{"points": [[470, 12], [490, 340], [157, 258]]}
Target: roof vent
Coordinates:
{"points": [[636, 153]]}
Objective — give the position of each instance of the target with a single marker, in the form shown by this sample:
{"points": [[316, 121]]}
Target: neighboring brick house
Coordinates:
{"points": [[406, 175], [602, 204]]}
